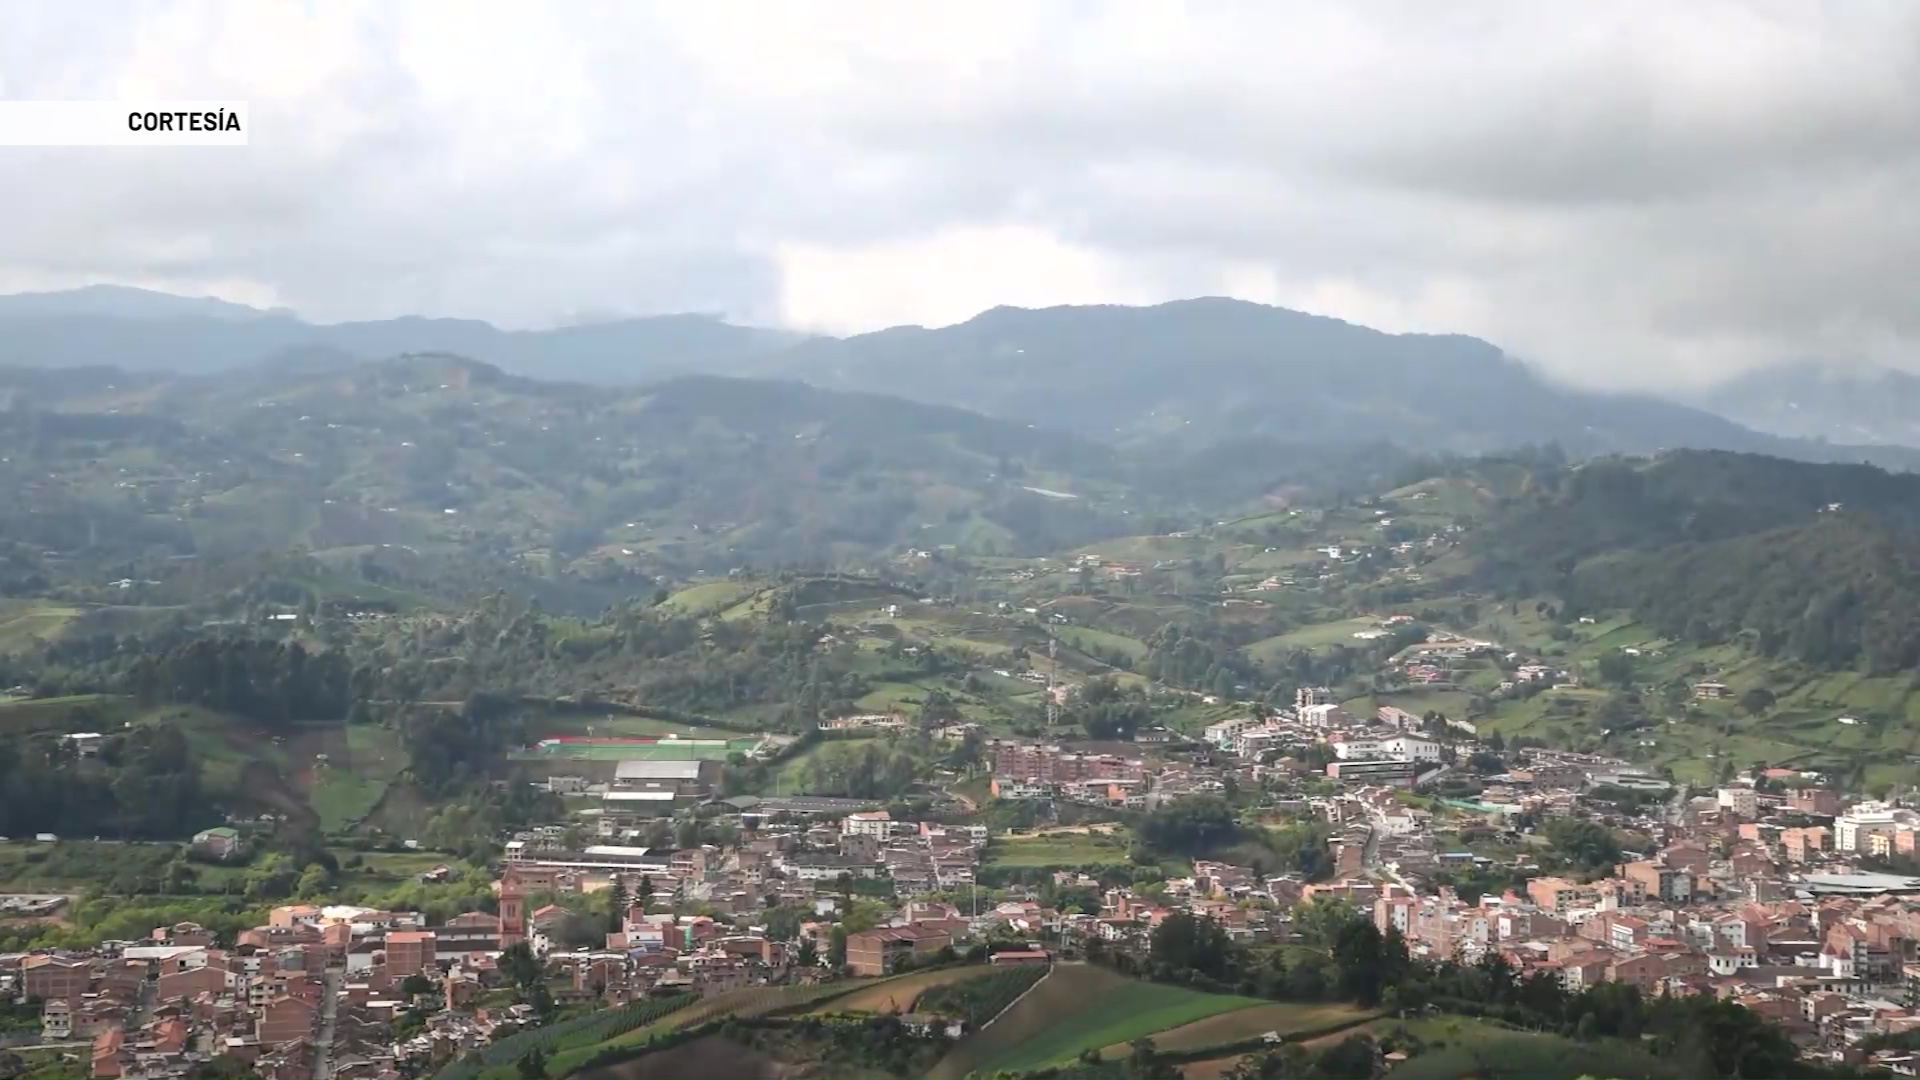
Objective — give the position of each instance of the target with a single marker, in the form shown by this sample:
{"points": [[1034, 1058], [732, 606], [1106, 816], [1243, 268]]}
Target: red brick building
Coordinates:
{"points": [[410, 952], [876, 952]]}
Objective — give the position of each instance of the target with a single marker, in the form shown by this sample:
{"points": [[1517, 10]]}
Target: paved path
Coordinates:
{"points": [[329, 1017]]}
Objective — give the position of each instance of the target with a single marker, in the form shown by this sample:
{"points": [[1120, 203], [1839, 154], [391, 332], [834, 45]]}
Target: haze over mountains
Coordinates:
{"points": [[1189, 373]]}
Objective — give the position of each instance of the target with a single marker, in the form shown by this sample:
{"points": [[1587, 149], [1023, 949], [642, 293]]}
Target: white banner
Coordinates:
{"points": [[123, 123]]}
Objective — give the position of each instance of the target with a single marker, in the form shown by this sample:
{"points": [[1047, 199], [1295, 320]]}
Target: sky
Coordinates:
{"points": [[1635, 193]]}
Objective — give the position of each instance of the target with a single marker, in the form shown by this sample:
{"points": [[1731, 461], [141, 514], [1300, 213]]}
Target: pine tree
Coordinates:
{"points": [[616, 905]]}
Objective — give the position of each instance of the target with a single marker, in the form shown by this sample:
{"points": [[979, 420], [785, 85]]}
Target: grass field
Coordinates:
{"points": [[1071, 849], [709, 597], [1080, 1007], [341, 798], [1105, 642], [346, 791], [790, 776], [23, 622], [20, 715], [1317, 636], [897, 995], [1249, 1023]]}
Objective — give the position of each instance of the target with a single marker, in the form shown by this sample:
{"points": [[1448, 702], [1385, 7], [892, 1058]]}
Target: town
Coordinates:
{"points": [[1774, 891]]}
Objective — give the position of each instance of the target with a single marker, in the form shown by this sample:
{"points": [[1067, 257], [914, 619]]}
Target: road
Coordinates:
{"points": [[330, 985]]}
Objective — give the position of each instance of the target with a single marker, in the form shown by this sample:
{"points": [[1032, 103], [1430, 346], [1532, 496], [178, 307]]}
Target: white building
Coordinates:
{"points": [[1324, 715], [1223, 733], [1741, 802], [1252, 743], [874, 823], [1312, 695], [1405, 747], [1852, 829]]}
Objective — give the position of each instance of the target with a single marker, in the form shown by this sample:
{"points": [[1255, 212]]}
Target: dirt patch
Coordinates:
{"points": [[264, 783]]}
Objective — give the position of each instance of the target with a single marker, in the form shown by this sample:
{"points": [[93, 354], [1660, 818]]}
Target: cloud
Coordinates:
{"points": [[1632, 193]]}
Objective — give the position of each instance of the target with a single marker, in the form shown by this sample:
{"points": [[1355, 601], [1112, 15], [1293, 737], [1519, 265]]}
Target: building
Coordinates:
{"points": [[1045, 764], [877, 952], [876, 823], [1741, 802], [1823, 802], [1388, 771], [220, 843], [1651, 879], [1393, 716], [47, 977], [1406, 747], [1223, 734], [1258, 741], [285, 1019], [410, 952], [1852, 829], [1558, 895], [1306, 697], [679, 778], [1324, 715]]}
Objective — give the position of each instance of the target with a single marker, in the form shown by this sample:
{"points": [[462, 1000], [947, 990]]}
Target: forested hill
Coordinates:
{"points": [[1210, 369], [1193, 372], [1815, 563], [426, 457]]}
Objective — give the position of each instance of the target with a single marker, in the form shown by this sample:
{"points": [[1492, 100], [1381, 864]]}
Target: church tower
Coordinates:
{"points": [[513, 908]]}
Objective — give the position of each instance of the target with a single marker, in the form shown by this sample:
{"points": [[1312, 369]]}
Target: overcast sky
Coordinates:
{"points": [[1624, 192]]}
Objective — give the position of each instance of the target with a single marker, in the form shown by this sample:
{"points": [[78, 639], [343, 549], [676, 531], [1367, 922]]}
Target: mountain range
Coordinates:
{"points": [[1840, 403], [1189, 373]]}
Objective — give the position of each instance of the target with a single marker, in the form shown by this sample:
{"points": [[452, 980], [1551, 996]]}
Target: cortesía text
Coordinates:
{"points": [[218, 120]]}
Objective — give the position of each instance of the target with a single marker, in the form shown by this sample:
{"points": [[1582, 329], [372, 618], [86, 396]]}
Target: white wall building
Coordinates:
{"points": [[1852, 829], [1323, 715], [1408, 747], [875, 824], [1223, 733]]}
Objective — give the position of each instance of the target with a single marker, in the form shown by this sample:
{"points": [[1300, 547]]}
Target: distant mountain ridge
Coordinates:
{"points": [[1839, 403], [141, 331], [1188, 374]]}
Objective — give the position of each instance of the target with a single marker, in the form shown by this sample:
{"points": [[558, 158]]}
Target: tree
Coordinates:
{"points": [[520, 966], [533, 1065], [1616, 668], [1360, 960], [1756, 701], [541, 999], [837, 947], [1187, 942], [1319, 921], [617, 905], [416, 984]]}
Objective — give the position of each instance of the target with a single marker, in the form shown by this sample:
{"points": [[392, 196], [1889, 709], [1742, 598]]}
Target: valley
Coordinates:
{"points": [[729, 724]]}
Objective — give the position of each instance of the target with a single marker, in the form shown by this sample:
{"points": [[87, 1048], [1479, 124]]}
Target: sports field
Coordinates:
{"points": [[638, 749]]}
